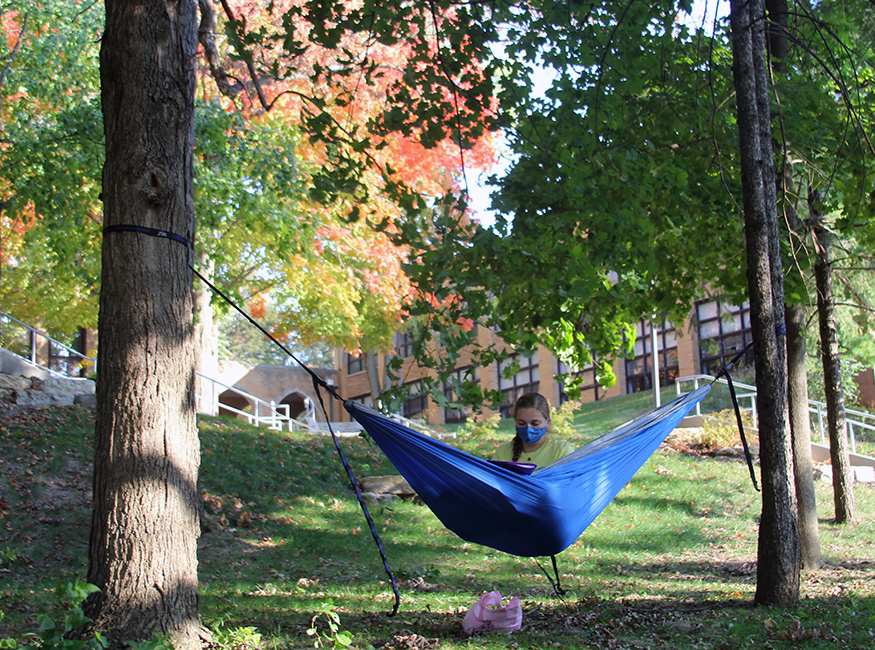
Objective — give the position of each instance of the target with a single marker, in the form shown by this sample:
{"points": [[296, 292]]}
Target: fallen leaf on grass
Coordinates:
{"points": [[407, 640]]}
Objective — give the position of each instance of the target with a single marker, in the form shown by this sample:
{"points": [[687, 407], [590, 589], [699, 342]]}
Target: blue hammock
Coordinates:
{"points": [[537, 515]]}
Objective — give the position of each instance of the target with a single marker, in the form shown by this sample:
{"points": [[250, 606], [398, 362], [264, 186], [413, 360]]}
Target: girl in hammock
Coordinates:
{"points": [[531, 444]]}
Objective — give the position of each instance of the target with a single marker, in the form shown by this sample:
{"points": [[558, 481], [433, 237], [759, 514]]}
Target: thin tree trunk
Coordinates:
{"points": [[800, 423], [205, 336], [375, 376], [778, 43], [778, 548], [842, 478], [797, 379], [143, 550]]}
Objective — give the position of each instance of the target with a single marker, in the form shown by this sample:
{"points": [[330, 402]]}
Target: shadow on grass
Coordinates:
{"points": [[684, 620]]}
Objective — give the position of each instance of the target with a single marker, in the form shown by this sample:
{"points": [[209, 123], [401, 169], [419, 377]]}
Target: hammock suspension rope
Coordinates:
{"points": [[493, 481]]}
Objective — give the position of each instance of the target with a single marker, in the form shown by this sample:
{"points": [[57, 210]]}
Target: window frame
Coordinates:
{"points": [[639, 369]]}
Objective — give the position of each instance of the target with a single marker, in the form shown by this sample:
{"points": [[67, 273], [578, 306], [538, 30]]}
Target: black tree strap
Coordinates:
{"points": [[154, 232], [318, 383], [780, 331], [747, 454]]}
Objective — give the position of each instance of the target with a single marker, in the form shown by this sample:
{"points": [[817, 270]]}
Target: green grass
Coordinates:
{"points": [[669, 563]]}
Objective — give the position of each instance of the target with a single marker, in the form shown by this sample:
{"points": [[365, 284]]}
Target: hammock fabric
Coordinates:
{"points": [[537, 515]]}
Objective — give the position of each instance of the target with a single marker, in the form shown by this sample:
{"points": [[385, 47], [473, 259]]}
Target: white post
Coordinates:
{"points": [[853, 437], [657, 398], [820, 423]]}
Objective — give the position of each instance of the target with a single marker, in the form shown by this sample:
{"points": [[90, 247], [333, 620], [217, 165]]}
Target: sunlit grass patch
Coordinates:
{"points": [[669, 563]]}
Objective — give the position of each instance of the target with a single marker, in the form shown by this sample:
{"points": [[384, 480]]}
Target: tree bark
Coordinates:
{"points": [[375, 374], [778, 43], [800, 424], [778, 572], [842, 478], [143, 550], [206, 350]]}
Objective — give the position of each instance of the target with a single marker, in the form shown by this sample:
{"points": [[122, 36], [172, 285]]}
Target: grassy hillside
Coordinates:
{"points": [[670, 563]]}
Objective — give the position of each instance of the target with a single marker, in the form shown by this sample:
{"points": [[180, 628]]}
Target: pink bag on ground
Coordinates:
{"points": [[488, 614]]}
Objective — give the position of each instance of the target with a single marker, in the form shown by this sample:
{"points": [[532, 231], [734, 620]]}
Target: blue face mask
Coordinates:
{"points": [[531, 435]]}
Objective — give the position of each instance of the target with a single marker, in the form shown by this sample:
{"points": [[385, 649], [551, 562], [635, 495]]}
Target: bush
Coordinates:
{"points": [[721, 430], [480, 427], [562, 419]]}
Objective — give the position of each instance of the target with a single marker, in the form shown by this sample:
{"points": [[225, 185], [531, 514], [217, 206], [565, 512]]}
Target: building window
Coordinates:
{"points": [[366, 400], [589, 389], [724, 331], [639, 369], [403, 345], [417, 403], [462, 374], [525, 380], [354, 364]]}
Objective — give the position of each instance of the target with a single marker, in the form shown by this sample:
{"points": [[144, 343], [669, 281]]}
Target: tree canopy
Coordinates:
{"points": [[623, 198], [272, 220], [50, 158]]}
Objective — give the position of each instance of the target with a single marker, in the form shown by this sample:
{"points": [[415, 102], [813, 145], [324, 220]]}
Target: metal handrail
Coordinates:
{"points": [[814, 407], [277, 415], [33, 356]]}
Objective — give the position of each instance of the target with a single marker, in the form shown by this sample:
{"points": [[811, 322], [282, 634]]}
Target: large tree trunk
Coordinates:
{"points": [[842, 478], [143, 552], [800, 424], [778, 548]]}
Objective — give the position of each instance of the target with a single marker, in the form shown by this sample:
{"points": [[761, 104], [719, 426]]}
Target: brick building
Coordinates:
{"points": [[714, 333]]}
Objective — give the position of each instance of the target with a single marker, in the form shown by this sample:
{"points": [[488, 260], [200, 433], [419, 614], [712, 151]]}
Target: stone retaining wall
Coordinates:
{"points": [[52, 391]]}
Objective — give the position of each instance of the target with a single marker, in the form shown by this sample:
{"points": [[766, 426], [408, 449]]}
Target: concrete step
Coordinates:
{"points": [[862, 474], [862, 467]]}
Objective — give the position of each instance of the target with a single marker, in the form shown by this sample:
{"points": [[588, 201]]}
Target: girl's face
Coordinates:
{"points": [[530, 417]]}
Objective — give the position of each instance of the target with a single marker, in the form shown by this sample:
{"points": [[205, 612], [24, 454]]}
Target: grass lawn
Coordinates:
{"points": [[670, 563]]}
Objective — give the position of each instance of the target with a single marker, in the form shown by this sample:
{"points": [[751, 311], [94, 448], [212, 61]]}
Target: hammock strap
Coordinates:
{"points": [[362, 504], [741, 430], [724, 372], [154, 232], [557, 587], [317, 380], [318, 383]]}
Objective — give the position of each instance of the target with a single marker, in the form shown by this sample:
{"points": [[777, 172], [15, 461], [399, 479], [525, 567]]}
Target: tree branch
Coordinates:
{"points": [[205, 32], [259, 91]]}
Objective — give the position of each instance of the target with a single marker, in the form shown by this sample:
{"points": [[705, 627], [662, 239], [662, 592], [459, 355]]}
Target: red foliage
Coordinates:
{"points": [[343, 253], [257, 306]]}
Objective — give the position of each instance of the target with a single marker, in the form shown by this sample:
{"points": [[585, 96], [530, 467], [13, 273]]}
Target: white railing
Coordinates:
{"points": [[418, 425], [31, 345], [41, 350], [855, 419], [273, 415], [270, 414]]}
